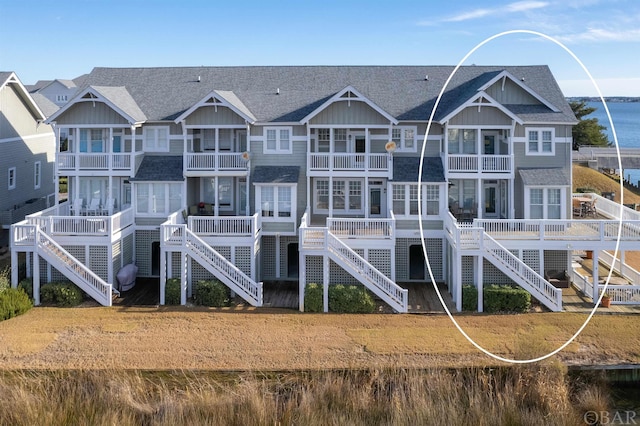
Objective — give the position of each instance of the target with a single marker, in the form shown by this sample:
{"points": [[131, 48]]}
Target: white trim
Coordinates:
{"points": [[545, 200], [27, 138], [539, 131], [338, 98], [276, 201], [154, 148], [277, 130], [472, 101], [401, 145], [519, 83], [37, 175], [35, 110], [10, 178], [223, 102]]}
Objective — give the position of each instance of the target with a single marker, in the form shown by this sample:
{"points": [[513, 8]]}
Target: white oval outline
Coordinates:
{"points": [[424, 248]]}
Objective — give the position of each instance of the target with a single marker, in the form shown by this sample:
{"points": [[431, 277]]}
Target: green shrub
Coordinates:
{"points": [[350, 299], [27, 285], [506, 299], [587, 190], [61, 294], [469, 298], [13, 302], [211, 293], [172, 292], [5, 279], [313, 298]]}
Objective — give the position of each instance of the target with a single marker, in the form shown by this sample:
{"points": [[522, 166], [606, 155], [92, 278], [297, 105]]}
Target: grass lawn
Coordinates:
{"points": [[218, 339]]}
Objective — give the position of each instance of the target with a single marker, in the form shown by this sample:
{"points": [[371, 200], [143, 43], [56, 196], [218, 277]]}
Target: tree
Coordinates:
{"points": [[588, 131]]}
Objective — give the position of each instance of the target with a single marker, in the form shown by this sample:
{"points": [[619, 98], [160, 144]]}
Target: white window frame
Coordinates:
{"points": [[163, 211], [408, 194], [545, 201], [277, 215], [278, 140], [37, 174], [150, 139], [404, 143], [347, 195], [539, 131], [11, 178]]}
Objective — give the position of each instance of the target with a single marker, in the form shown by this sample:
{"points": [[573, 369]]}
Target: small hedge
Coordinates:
{"points": [[469, 298], [61, 294], [211, 293], [313, 298], [506, 299], [5, 279], [172, 292], [13, 302], [350, 299], [27, 286]]}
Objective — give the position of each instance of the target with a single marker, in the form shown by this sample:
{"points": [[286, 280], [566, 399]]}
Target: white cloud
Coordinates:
{"points": [[608, 87], [601, 35], [515, 7]]}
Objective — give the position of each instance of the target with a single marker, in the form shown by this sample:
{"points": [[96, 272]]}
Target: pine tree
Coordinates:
{"points": [[588, 131]]}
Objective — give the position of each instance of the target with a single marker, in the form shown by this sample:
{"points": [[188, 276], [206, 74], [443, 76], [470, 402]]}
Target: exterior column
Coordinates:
{"points": [[14, 264], [302, 280], [330, 196], [248, 198], [277, 256], [596, 290], [36, 277], [163, 274], [365, 197], [457, 267], [480, 281], [183, 278], [29, 270], [479, 199], [216, 207], [325, 282], [56, 177]]}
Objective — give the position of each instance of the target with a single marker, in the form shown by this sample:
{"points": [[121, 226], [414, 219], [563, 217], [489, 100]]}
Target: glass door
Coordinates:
{"points": [[491, 200]]}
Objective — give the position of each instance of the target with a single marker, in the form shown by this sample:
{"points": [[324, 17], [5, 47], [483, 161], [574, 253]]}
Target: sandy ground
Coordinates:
{"points": [[214, 339]]}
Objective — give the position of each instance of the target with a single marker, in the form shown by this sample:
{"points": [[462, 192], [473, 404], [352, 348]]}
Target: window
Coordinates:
{"points": [[225, 192], [158, 199], [322, 195], [405, 200], [277, 140], [12, 178], [37, 174], [405, 138], [462, 141], [340, 140], [398, 200], [324, 140], [355, 195], [540, 141], [545, 203], [156, 139], [433, 200], [61, 98], [91, 140], [413, 199], [276, 201], [347, 195]]}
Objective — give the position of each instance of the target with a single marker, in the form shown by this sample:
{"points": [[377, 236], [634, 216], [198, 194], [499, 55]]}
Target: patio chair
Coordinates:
{"points": [[577, 207], [107, 208], [77, 206], [94, 206], [591, 208]]}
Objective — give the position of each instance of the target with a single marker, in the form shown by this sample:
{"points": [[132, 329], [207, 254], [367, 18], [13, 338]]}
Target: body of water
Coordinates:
{"points": [[626, 119]]}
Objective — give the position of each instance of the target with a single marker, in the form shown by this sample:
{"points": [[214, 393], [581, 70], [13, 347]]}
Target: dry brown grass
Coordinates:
{"points": [[584, 177], [214, 339]]}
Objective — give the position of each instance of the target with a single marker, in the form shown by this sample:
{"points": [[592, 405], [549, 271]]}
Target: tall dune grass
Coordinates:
{"points": [[508, 396]]}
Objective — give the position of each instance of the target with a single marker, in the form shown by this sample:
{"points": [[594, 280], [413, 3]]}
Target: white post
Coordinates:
{"points": [[14, 265], [480, 280], [28, 262], [277, 255], [596, 285], [163, 274], [325, 282], [36, 277], [216, 206], [183, 278], [330, 196], [458, 281]]}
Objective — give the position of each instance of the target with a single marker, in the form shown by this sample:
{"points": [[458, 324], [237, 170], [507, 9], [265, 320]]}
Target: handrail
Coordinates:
{"points": [[622, 294], [366, 273], [361, 228], [343, 161]]}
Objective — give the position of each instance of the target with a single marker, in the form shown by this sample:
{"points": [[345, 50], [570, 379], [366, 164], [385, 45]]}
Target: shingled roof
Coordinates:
{"points": [[405, 169], [160, 168], [289, 93]]}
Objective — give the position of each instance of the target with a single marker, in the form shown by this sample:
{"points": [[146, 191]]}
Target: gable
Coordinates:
{"points": [[90, 113], [345, 112], [483, 115], [16, 118], [509, 93], [213, 115]]}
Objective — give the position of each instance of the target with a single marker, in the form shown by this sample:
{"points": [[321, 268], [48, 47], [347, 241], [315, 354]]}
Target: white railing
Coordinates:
{"points": [[583, 283], [62, 209], [348, 162], [224, 270], [73, 269], [82, 225], [614, 263], [237, 226], [95, 161], [560, 230], [474, 163], [609, 208], [526, 277], [363, 271], [361, 228], [623, 294], [196, 161]]}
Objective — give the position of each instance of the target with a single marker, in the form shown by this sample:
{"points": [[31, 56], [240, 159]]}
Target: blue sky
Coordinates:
{"points": [[66, 38]]}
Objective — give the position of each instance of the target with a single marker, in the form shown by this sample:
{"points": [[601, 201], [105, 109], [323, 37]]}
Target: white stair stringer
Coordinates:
{"points": [[522, 274], [222, 269], [370, 277], [73, 269]]}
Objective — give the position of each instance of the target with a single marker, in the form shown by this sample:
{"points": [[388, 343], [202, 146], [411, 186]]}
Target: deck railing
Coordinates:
{"points": [[474, 163], [97, 161], [361, 228], [63, 225], [622, 294], [209, 161], [609, 208], [348, 162], [236, 226]]}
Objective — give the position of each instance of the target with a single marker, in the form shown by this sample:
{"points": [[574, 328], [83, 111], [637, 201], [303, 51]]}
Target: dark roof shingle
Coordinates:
{"points": [[160, 168], [405, 169], [276, 174]]}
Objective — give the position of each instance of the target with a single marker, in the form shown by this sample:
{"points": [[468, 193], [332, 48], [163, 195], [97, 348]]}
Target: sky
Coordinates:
{"points": [[44, 40]]}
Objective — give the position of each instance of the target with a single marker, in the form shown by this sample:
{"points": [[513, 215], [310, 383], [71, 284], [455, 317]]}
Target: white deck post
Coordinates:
{"points": [[36, 277], [163, 274], [325, 282], [302, 283], [458, 281], [183, 278], [14, 266], [480, 281], [596, 289]]}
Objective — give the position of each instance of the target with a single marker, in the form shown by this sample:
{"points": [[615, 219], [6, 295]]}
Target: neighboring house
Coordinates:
{"points": [[27, 151], [58, 91], [311, 174]]}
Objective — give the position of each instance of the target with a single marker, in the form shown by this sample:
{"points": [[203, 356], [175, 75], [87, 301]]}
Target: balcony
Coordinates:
{"points": [[323, 164], [210, 163], [474, 163], [83, 161]]}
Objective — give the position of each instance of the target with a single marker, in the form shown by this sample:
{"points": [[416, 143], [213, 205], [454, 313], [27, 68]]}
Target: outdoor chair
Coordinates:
{"points": [[94, 206], [77, 206]]}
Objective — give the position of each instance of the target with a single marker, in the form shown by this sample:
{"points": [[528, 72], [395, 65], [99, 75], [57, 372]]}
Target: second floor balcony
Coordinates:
{"points": [[216, 163], [479, 163], [126, 162], [321, 164]]}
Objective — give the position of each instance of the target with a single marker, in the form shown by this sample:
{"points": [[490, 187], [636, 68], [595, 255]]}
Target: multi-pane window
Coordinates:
{"points": [[158, 199], [462, 141], [405, 199], [277, 140], [405, 138], [398, 200], [413, 199], [338, 195], [536, 203], [11, 177], [433, 200], [545, 203], [322, 195], [340, 140], [324, 140], [355, 195], [37, 174], [276, 201], [540, 141], [347, 195], [91, 140], [553, 203], [156, 139]]}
